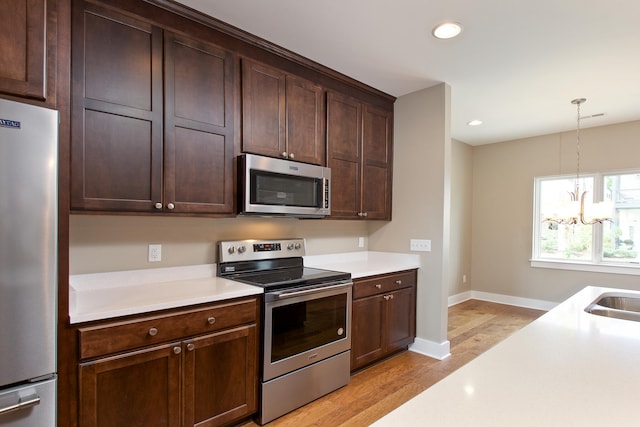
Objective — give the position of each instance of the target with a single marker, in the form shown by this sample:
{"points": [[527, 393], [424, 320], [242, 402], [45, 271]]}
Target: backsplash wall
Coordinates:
{"points": [[113, 243]]}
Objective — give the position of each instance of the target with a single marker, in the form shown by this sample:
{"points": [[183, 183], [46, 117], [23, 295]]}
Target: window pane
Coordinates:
{"points": [[563, 241], [621, 236]]}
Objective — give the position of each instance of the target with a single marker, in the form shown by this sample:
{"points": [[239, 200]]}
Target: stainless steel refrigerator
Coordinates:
{"points": [[28, 264]]}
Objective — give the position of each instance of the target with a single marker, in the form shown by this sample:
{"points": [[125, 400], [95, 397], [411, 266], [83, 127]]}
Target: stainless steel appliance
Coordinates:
{"points": [[306, 337], [28, 264], [277, 187]]}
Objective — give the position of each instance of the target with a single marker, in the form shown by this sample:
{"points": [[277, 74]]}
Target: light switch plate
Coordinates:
{"points": [[420, 245]]}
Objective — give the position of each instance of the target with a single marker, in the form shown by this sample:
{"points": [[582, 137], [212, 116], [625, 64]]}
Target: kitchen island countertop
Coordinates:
{"points": [[567, 368]]}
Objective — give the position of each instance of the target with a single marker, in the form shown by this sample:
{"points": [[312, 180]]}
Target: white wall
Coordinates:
{"points": [[502, 206]]}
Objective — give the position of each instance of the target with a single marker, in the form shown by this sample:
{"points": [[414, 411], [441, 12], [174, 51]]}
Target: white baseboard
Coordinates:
{"points": [[502, 299], [433, 349]]}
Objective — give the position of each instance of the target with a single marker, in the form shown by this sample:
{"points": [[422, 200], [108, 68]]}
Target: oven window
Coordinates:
{"points": [[269, 188], [305, 325]]}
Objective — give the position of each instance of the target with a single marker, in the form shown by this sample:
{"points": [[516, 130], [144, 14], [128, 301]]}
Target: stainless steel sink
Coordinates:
{"points": [[620, 305]]}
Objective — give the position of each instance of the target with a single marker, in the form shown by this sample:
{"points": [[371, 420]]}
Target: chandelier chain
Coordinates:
{"points": [[578, 102]]}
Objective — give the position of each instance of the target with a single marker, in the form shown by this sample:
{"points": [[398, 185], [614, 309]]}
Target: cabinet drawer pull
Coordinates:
{"points": [[379, 286], [291, 156], [285, 154], [191, 346], [153, 332], [171, 205], [177, 350], [211, 320], [158, 205], [398, 282]]}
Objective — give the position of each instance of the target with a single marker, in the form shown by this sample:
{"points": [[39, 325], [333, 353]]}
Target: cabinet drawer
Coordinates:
{"points": [[383, 283], [119, 336]]}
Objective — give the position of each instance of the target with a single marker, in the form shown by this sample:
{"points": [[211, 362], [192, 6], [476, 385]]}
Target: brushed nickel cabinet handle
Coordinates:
{"points": [[398, 282], [153, 332], [379, 286], [191, 346], [171, 205], [158, 205], [177, 350], [211, 320]]}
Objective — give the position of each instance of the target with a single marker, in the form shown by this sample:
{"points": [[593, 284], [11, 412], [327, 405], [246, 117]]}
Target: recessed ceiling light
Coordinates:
{"points": [[447, 30], [474, 122]]}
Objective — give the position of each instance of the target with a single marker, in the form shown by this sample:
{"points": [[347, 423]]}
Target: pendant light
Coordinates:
{"points": [[576, 210]]}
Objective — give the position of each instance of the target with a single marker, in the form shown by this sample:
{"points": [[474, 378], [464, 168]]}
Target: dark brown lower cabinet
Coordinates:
{"points": [[384, 316], [207, 380]]}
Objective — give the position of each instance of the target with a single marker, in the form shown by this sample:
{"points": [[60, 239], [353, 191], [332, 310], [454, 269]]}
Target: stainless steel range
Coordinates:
{"points": [[306, 339]]}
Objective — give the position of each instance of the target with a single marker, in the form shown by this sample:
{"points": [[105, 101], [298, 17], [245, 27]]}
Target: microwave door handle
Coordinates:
{"points": [[293, 294]]}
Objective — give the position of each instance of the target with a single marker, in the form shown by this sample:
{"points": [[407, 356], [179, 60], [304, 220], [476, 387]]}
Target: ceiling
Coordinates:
{"points": [[516, 66]]}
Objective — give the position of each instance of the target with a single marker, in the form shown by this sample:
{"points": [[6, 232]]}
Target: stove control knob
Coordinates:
{"points": [[298, 246], [241, 249], [290, 247], [231, 250]]}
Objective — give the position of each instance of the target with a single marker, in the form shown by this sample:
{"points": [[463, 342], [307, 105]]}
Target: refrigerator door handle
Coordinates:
{"points": [[23, 403]]}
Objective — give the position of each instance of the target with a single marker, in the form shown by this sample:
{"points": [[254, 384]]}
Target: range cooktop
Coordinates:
{"points": [[272, 264]]}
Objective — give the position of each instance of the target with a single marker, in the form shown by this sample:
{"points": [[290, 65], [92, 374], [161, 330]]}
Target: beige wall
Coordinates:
{"points": [[112, 243], [422, 157], [461, 214], [502, 207]]}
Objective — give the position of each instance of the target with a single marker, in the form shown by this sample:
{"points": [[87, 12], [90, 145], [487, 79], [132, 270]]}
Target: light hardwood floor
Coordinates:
{"points": [[474, 327]]}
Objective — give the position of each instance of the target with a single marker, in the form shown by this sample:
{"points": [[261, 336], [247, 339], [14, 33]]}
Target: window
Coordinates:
{"points": [[613, 246]]}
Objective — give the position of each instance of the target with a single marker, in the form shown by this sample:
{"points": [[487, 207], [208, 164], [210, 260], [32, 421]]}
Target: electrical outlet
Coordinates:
{"points": [[361, 242], [155, 253], [420, 245]]}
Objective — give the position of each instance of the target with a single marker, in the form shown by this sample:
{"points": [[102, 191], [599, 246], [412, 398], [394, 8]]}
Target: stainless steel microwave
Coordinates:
{"points": [[276, 187]]}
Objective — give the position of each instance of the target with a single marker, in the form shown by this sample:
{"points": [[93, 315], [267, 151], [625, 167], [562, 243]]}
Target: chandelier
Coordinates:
{"points": [[574, 210]]}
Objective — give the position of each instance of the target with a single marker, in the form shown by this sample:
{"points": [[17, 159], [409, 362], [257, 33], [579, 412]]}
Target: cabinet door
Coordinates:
{"points": [[377, 161], [401, 319], [282, 115], [263, 109], [199, 112], [116, 145], [134, 389], [344, 124], [220, 377], [23, 48], [368, 330], [305, 121]]}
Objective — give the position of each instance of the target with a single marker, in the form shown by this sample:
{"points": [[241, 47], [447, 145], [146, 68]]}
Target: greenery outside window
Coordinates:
{"points": [[607, 246]]}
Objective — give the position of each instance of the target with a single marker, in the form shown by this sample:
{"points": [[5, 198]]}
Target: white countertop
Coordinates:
{"points": [[106, 295], [362, 264], [567, 368], [100, 296]]}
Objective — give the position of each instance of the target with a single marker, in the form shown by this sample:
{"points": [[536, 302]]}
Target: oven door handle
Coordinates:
{"points": [[315, 290]]}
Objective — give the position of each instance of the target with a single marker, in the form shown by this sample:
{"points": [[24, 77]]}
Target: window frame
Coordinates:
{"points": [[597, 263]]}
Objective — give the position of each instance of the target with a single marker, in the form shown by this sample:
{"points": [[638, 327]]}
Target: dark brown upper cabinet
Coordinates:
{"points": [[360, 155], [23, 48], [282, 115], [152, 117]]}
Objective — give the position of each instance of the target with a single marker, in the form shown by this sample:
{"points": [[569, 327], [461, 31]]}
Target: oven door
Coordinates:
{"points": [[305, 326]]}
